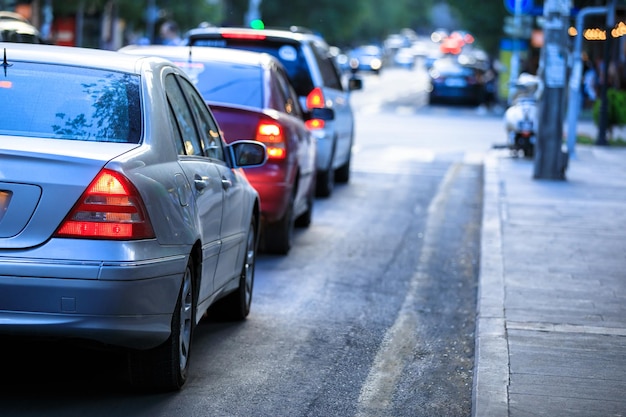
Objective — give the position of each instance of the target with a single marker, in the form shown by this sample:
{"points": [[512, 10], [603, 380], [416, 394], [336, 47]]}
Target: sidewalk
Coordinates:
{"points": [[551, 325]]}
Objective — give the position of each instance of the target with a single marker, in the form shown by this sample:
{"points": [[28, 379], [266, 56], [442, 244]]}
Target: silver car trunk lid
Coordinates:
{"points": [[41, 180]]}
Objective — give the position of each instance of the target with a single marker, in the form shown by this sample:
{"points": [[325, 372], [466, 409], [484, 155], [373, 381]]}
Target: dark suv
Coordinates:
{"points": [[317, 81]]}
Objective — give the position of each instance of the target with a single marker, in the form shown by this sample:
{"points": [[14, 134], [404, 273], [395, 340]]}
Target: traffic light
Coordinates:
{"points": [[257, 24]]}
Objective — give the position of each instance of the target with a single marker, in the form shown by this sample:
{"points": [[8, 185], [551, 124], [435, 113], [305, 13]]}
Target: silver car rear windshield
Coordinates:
{"points": [[64, 102]]}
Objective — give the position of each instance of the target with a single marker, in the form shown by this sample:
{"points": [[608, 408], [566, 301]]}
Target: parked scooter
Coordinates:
{"points": [[521, 117]]}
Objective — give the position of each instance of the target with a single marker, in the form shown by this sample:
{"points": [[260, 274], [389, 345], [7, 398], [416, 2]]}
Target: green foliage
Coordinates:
{"points": [[188, 13], [483, 19], [341, 22], [616, 108], [346, 23], [588, 140]]}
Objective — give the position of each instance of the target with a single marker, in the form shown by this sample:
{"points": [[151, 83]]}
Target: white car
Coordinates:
{"points": [[314, 74]]}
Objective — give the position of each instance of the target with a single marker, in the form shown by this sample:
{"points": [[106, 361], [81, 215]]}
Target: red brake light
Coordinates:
{"points": [[240, 35], [110, 208], [271, 134], [315, 99], [314, 124]]}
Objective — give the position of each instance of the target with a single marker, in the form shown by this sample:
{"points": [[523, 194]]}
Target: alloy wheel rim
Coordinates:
{"points": [[249, 267], [185, 320]]}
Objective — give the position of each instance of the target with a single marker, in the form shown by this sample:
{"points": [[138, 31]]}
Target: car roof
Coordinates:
{"points": [[81, 57], [296, 34], [202, 54]]}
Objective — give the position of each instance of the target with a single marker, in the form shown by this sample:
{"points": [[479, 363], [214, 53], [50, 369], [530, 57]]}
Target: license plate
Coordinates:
{"points": [[5, 197], [525, 126], [455, 82]]}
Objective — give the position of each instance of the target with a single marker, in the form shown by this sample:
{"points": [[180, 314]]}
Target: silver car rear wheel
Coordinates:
{"points": [[165, 367], [186, 321]]}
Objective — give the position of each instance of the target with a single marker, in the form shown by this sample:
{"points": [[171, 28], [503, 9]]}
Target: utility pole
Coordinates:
{"points": [[254, 11], [574, 100], [515, 57], [152, 12], [550, 161], [604, 103]]}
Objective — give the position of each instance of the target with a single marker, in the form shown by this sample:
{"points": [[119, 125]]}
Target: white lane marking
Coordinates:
{"points": [[401, 339]]}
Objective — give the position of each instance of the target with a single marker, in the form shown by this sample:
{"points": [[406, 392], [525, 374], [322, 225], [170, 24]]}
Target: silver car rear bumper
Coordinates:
{"points": [[128, 304]]}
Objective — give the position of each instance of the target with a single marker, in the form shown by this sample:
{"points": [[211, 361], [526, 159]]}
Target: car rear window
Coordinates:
{"points": [[65, 102], [226, 82], [289, 54]]}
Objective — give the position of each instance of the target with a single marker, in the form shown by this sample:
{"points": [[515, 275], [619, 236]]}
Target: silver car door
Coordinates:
{"points": [[205, 184], [235, 214]]}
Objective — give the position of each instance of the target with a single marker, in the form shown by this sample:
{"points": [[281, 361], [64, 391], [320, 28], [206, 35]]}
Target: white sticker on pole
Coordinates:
{"points": [[555, 67]]}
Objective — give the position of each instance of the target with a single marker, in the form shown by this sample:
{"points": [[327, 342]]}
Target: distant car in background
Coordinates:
{"points": [[453, 82], [314, 74], [341, 59], [405, 58], [368, 58], [251, 97]]}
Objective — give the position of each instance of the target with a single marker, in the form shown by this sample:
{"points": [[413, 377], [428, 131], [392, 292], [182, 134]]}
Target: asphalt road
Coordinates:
{"points": [[371, 313]]}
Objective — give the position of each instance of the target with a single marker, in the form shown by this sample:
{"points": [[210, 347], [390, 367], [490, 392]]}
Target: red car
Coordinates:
{"points": [[251, 97]]}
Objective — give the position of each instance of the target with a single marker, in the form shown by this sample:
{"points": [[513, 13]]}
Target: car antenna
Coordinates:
{"points": [[5, 64]]}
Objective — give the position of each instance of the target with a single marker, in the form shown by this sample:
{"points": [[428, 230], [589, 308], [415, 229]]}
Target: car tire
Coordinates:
{"points": [[342, 174], [529, 151], [165, 367], [236, 305], [325, 180], [278, 236], [304, 220]]}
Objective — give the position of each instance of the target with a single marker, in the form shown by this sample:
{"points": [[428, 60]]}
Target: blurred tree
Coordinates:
{"points": [[234, 12], [331, 18], [347, 23], [484, 20], [188, 13], [342, 23]]}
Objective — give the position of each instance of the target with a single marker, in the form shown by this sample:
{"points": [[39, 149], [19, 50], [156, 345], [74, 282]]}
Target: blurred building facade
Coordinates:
{"points": [[110, 24]]}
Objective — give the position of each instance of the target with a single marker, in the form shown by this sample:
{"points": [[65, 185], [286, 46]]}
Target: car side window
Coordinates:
{"points": [[291, 103], [178, 137], [208, 129], [326, 64], [278, 100], [184, 119]]}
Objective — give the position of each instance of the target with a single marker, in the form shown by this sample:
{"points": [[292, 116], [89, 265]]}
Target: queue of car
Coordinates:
{"points": [[458, 72], [251, 97], [137, 185], [314, 74]]}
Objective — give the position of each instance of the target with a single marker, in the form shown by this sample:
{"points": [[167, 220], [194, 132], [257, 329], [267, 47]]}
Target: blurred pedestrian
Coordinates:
{"points": [[169, 34], [590, 84], [491, 86]]}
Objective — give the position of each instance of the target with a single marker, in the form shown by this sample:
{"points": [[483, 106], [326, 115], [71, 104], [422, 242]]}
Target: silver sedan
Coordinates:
{"points": [[124, 215]]}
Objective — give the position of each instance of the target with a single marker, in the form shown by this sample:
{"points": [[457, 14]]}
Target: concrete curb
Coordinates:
{"points": [[490, 388]]}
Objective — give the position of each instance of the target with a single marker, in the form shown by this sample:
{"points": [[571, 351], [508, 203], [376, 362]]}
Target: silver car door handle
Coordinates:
{"points": [[201, 183], [226, 183]]}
